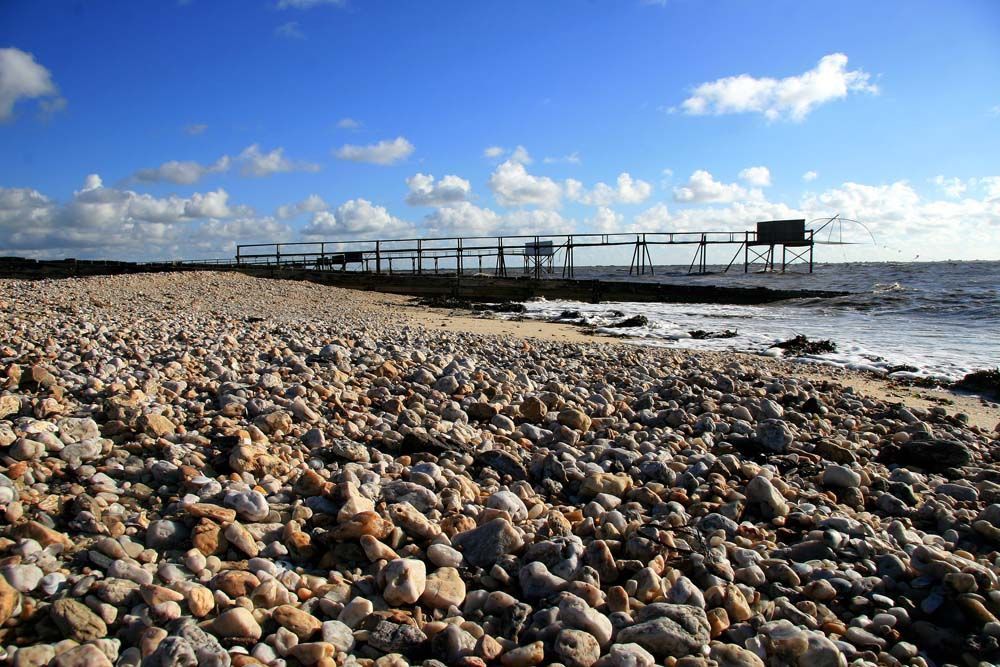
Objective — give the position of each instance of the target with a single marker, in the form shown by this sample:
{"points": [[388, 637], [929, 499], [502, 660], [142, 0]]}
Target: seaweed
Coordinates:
{"points": [[469, 304], [699, 334], [985, 381], [634, 321], [802, 345]]}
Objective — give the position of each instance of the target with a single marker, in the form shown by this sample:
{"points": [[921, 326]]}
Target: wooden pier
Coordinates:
{"points": [[537, 255]]}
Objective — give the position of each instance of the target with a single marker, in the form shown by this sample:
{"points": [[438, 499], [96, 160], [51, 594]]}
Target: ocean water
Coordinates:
{"points": [[940, 318]]}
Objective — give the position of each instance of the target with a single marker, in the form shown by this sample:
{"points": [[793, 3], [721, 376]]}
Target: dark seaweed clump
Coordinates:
{"points": [[469, 304], [634, 321], [802, 345], [986, 381], [699, 334]]}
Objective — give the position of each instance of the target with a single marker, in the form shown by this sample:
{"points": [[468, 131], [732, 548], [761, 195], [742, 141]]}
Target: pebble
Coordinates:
{"points": [[236, 622], [23, 578], [405, 581], [324, 482]]}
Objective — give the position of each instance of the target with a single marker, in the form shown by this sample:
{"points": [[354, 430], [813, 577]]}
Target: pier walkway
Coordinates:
{"points": [[535, 255]]}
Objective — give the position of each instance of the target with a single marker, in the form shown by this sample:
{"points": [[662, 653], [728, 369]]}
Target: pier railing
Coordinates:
{"points": [[534, 254]]}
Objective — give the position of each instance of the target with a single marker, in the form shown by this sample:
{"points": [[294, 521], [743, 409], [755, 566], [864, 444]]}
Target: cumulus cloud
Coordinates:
{"points": [[702, 187], [349, 124], [99, 221], [519, 154], [22, 78], [512, 185], [655, 218], [208, 205], [385, 152], [357, 217], [254, 162], [991, 185], [524, 222], [311, 204], [953, 187], [627, 190], [290, 30], [182, 172], [463, 218], [792, 97], [572, 158], [606, 221], [810, 176], [424, 191], [757, 176]]}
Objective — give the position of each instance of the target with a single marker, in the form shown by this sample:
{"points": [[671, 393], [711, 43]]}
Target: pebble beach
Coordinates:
{"points": [[213, 469]]}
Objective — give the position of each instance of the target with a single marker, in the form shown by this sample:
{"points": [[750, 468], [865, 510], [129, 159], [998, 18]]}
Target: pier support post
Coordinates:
{"points": [[378, 257]]}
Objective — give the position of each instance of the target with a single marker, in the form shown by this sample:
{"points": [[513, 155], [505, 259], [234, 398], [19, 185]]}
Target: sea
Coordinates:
{"points": [[933, 320]]}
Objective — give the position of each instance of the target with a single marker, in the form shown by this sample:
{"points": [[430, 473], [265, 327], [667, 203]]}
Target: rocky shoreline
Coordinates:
{"points": [[212, 469]]}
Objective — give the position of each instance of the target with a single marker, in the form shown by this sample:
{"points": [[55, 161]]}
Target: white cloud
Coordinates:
{"points": [[357, 217], [311, 204], [520, 155], [424, 191], [953, 187], [208, 205], [627, 191], [385, 152], [792, 97], [991, 184], [255, 163], [92, 182], [857, 200], [512, 185], [810, 176], [995, 110], [702, 187], [182, 172], [463, 218], [309, 4], [112, 223], [289, 30], [757, 176], [736, 216], [526, 222], [195, 129], [572, 158], [349, 124], [606, 221], [251, 160], [655, 218], [23, 78]]}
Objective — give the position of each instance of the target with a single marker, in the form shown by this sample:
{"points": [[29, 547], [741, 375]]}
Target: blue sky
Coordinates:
{"points": [[174, 129]]}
